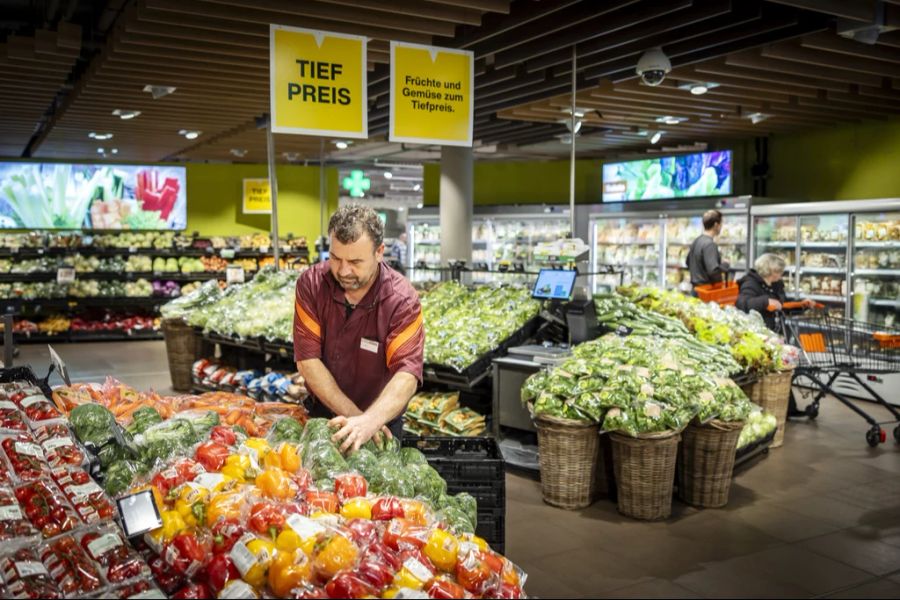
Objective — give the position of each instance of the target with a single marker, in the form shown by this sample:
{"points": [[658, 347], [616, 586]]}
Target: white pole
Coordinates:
{"points": [[572, 154], [273, 187]]}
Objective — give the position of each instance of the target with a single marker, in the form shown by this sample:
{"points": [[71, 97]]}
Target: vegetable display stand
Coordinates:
{"points": [[645, 473], [182, 349], [568, 453], [772, 392], [706, 462]]}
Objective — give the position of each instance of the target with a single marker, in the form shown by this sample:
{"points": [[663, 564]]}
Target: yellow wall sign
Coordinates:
{"points": [[257, 197], [432, 95], [318, 82]]}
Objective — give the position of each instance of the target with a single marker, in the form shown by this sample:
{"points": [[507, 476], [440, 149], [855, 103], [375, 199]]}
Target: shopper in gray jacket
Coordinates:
{"points": [[703, 260]]}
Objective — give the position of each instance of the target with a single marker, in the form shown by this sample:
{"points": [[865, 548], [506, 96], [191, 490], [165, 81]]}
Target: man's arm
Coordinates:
{"points": [[359, 429], [712, 263], [321, 383]]}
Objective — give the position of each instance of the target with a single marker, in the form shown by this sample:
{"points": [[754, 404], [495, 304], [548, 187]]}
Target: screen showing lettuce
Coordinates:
{"points": [[86, 196], [664, 177]]}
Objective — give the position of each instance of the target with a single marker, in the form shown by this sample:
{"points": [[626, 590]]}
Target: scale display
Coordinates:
{"points": [[554, 284]]}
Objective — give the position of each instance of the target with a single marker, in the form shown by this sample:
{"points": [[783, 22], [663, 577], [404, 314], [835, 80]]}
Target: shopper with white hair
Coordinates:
{"points": [[762, 288]]}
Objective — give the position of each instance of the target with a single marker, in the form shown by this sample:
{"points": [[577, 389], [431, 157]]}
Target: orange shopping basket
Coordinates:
{"points": [[724, 294]]}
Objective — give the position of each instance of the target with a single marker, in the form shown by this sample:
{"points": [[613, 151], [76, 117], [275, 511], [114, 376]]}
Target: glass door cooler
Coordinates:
{"points": [[876, 268], [632, 242], [516, 237], [683, 229]]}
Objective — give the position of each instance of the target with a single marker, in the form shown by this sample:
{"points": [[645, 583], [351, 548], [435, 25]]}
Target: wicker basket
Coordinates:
{"points": [[772, 392], [706, 462], [182, 349], [645, 473], [568, 454]]}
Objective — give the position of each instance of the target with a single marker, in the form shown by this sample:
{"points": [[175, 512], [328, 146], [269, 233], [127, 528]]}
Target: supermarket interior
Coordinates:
{"points": [[449, 299]]}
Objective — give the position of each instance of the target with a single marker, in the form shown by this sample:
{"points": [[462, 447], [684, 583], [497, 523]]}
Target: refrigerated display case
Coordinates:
{"points": [[650, 241], [847, 256]]}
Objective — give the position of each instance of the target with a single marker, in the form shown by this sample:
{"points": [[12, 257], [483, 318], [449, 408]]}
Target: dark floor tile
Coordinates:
{"points": [[547, 584], [881, 588], [780, 522], [591, 572], [854, 548], [731, 579], [827, 509], [797, 566], [654, 588]]}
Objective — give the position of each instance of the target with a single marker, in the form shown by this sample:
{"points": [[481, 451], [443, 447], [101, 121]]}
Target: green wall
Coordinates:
{"points": [[846, 162], [215, 193]]}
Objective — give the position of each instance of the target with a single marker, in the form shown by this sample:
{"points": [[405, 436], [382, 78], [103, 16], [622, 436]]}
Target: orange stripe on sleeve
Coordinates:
{"points": [[311, 325], [404, 337]]}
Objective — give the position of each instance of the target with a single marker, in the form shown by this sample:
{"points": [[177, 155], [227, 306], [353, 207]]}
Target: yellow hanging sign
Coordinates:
{"points": [[432, 95], [257, 197], [317, 82]]}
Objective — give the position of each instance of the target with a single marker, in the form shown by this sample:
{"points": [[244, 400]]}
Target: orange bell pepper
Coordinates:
{"points": [[287, 571], [336, 554], [275, 483], [224, 505]]}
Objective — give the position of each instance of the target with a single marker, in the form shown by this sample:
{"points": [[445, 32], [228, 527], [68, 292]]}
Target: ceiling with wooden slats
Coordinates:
{"points": [[778, 66]]}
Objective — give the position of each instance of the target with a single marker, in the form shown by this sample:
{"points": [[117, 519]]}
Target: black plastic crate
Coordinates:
{"points": [[487, 495], [463, 460], [492, 527], [26, 374]]}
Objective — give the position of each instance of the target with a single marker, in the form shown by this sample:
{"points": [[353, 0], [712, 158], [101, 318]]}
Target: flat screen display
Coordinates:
{"points": [[554, 284], [86, 196], [665, 177]]}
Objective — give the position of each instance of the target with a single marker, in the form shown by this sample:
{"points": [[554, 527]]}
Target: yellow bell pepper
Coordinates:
{"points": [[172, 525], [441, 549], [391, 592], [480, 542], [286, 457], [239, 467], [263, 551], [337, 554], [287, 571], [224, 505], [289, 541], [414, 511], [405, 579], [191, 505], [357, 508], [260, 445], [274, 483]]}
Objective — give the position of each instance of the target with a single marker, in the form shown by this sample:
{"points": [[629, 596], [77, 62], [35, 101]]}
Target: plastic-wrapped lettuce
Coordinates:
{"points": [[207, 294], [463, 324]]}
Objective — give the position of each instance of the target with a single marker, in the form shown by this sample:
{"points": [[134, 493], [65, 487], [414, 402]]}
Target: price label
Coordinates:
{"points": [[238, 590], [409, 593], [51, 445], [81, 492], [7, 405], [29, 449], [418, 570], [30, 568], [243, 559], [234, 274], [104, 544], [264, 249], [65, 275], [304, 526], [60, 365], [14, 250], [32, 400], [209, 480], [132, 249], [10, 513], [226, 253], [148, 594]]}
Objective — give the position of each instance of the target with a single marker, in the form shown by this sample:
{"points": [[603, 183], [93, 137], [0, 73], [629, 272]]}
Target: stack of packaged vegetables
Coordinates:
{"points": [[439, 413], [57, 531], [759, 425], [463, 324], [637, 384], [272, 386], [262, 307], [289, 516], [744, 335]]}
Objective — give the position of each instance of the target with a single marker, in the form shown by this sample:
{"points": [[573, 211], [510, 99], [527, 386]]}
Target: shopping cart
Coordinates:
{"points": [[831, 346]]}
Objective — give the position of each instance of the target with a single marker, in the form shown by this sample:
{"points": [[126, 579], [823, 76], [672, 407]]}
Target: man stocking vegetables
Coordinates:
{"points": [[358, 334]]}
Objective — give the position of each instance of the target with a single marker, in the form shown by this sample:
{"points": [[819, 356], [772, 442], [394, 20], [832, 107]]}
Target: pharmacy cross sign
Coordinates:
{"points": [[357, 184]]}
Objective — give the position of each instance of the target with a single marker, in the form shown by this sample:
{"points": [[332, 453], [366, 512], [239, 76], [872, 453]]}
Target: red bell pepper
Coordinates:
{"points": [[223, 435], [376, 573], [474, 573], [225, 534], [350, 485], [402, 533], [363, 531], [187, 469], [220, 571], [212, 455], [268, 518], [348, 585], [193, 591], [386, 509], [508, 591], [444, 588], [168, 580], [379, 552], [187, 553], [166, 481], [324, 501]]}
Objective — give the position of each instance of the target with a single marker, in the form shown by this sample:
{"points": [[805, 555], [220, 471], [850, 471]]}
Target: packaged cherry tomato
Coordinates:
{"points": [[44, 505], [38, 408], [27, 577], [25, 456], [50, 431], [69, 566], [118, 562], [11, 418], [89, 500], [14, 526], [143, 589], [63, 452]]}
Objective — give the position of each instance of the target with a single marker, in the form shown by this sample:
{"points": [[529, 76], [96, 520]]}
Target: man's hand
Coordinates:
{"points": [[356, 431], [774, 304], [807, 303]]}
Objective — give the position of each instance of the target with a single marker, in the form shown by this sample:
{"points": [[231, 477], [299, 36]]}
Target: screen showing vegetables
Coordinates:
{"points": [[85, 196], [659, 178]]}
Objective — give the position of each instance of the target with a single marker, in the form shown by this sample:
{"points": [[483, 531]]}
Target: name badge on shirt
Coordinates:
{"points": [[369, 345]]}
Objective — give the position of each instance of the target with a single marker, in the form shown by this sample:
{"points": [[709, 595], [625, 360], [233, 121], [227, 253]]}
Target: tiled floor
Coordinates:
{"points": [[819, 517]]}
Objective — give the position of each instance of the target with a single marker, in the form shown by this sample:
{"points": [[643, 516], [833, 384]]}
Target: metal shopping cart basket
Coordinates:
{"points": [[831, 346]]}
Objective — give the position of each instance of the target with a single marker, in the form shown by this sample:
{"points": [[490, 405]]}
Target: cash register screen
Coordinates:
{"points": [[554, 284]]}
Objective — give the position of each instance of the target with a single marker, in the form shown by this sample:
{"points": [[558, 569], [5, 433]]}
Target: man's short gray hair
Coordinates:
{"points": [[352, 220], [769, 264]]}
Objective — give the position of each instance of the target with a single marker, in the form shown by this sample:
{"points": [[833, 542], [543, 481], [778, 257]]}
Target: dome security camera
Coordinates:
{"points": [[653, 67]]}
